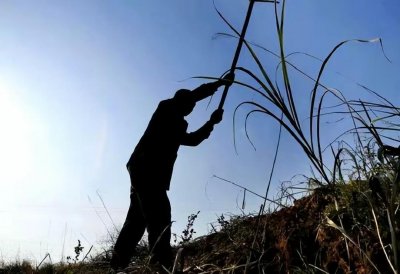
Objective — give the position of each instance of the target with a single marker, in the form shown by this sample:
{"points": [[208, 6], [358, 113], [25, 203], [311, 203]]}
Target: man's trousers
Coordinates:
{"points": [[148, 209]]}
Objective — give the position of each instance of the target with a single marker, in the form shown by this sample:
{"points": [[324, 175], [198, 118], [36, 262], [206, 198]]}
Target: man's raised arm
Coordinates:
{"points": [[208, 89]]}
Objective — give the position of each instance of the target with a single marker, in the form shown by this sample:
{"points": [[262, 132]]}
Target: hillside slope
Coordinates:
{"points": [[299, 238]]}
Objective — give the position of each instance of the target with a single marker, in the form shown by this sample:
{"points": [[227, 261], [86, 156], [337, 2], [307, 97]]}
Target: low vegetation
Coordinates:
{"points": [[344, 229]]}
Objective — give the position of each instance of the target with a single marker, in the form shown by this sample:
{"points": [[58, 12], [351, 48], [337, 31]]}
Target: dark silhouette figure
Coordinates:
{"points": [[150, 168]]}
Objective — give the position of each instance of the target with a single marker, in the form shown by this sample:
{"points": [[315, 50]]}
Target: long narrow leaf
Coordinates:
{"points": [[322, 68]]}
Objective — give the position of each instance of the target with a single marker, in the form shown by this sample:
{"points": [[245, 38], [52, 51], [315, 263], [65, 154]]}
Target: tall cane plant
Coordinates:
{"points": [[371, 123]]}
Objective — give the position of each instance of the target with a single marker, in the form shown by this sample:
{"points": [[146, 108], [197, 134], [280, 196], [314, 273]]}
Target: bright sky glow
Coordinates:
{"points": [[79, 81], [15, 147]]}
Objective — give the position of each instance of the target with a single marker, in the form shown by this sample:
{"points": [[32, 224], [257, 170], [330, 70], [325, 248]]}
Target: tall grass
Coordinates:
{"points": [[368, 158]]}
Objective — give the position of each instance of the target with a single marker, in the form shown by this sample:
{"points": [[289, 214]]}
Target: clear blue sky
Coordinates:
{"points": [[79, 81]]}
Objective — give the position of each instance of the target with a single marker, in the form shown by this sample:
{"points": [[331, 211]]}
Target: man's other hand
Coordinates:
{"points": [[216, 116]]}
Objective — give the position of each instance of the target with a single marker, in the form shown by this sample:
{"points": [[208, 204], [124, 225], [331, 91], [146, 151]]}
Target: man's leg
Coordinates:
{"points": [[130, 234], [158, 219]]}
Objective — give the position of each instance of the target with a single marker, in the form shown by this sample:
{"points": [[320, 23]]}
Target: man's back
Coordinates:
{"points": [[158, 147]]}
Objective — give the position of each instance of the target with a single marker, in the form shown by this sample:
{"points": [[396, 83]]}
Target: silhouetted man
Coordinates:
{"points": [[150, 168]]}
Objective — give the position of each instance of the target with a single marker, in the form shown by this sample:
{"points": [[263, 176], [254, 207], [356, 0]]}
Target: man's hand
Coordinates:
{"points": [[228, 79], [216, 116]]}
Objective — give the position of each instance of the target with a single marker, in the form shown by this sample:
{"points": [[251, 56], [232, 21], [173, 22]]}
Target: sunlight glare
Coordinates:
{"points": [[15, 139]]}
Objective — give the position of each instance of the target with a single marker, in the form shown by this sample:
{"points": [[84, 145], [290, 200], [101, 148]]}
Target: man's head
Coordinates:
{"points": [[185, 100]]}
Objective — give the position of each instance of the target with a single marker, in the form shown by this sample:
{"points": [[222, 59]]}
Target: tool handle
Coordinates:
{"points": [[238, 49]]}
